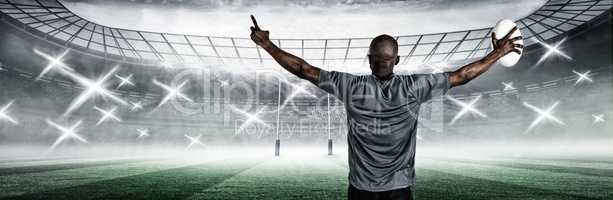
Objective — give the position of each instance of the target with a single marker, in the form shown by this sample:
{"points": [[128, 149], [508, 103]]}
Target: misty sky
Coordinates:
{"points": [[331, 20]]}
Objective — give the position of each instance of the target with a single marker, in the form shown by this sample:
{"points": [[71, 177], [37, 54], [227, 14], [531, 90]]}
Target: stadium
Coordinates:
{"points": [[120, 100]]}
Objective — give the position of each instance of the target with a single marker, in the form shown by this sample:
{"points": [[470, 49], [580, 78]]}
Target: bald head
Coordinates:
{"points": [[383, 45], [383, 56]]}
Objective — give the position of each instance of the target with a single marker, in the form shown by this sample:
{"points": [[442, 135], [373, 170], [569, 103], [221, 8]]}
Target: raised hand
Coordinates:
{"points": [[502, 47], [506, 45], [257, 35], [289, 62]]}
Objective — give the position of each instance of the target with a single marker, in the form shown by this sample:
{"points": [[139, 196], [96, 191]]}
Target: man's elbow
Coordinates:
{"points": [[458, 79], [301, 71], [464, 81], [309, 73]]}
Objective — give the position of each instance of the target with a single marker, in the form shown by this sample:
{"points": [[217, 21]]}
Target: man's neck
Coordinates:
{"points": [[384, 77]]}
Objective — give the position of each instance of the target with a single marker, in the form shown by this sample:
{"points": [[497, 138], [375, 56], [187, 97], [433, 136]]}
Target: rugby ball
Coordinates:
{"points": [[501, 29]]}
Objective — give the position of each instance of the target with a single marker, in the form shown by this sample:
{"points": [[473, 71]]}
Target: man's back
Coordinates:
{"points": [[382, 121]]}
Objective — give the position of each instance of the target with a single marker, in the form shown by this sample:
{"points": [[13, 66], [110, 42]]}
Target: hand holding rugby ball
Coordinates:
{"points": [[500, 33]]}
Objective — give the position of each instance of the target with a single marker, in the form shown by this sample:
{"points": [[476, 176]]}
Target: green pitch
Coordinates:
{"points": [[288, 177]]}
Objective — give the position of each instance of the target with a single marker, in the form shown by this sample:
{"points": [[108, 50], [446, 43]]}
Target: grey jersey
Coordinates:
{"points": [[382, 123]]}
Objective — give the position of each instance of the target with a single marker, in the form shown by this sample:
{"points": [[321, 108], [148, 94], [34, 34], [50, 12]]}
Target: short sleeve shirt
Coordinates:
{"points": [[382, 123]]}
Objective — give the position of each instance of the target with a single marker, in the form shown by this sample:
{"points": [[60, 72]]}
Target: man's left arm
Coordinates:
{"points": [[502, 47]]}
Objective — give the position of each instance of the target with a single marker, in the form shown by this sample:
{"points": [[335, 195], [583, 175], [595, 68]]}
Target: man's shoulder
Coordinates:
{"points": [[419, 76], [347, 75]]}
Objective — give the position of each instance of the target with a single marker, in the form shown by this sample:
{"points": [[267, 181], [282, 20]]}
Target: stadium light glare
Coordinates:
{"points": [[54, 62], [250, 118], [298, 89], [598, 118], [466, 108], [193, 140], [107, 114], [143, 132], [4, 115], [223, 83], [92, 88], [551, 49], [508, 86], [136, 106], [66, 133], [543, 114], [172, 92], [581, 77], [124, 80]]}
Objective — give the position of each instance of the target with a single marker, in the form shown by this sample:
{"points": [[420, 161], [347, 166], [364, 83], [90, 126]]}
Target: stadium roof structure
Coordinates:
{"points": [[51, 20]]}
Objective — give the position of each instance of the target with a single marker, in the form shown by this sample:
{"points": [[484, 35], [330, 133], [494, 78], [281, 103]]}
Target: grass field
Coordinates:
{"points": [[295, 177]]}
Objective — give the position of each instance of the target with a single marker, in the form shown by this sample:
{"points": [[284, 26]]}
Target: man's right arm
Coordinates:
{"points": [[289, 62]]}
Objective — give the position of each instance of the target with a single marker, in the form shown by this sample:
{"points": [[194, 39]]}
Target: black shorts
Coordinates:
{"points": [[397, 194]]}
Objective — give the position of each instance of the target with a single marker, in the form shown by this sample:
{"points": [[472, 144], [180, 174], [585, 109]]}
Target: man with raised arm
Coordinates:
{"points": [[382, 109]]}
